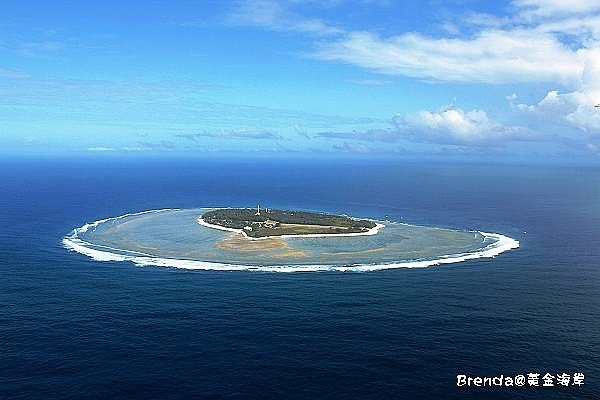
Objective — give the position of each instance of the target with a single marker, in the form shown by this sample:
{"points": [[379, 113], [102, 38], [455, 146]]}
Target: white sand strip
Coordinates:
{"points": [[370, 232]]}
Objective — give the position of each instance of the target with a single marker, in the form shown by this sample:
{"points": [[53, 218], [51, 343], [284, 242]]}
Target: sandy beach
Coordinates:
{"points": [[273, 244]]}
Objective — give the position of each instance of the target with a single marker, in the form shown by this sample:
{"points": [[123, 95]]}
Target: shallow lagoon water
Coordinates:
{"points": [[172, 237]]}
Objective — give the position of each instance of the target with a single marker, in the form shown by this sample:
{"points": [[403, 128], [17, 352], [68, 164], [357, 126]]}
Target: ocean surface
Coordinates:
{"points": [[72, 327]]}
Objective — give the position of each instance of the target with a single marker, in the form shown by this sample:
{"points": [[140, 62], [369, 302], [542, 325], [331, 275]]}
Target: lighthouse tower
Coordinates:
{"points": [[257, 209]]}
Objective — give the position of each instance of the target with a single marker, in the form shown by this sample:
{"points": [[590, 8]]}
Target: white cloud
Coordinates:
{"points": [[277, 16], [492, 56], [582, 30], [135, 148], [577, 108], [12, 74], [548, 8], [371, 135], [101, 149], [232, 134], [449, 125], [371, 82], [41, 49], [541, 41], [454, 126], [353, 148]]}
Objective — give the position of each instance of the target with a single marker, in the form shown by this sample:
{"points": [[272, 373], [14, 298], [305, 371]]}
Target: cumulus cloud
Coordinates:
{"points": [[448, 125], [577, 108], [454, 126]]}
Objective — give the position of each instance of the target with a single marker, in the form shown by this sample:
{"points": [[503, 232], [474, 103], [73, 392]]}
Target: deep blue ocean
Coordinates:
{"points": [[75, 328]]}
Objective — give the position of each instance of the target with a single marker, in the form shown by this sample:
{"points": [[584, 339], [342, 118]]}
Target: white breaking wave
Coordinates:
{"points": [[74, 243]]}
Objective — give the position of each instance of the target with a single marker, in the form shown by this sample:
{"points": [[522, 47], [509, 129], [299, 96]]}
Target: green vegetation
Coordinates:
{"points": [[280, 222]]}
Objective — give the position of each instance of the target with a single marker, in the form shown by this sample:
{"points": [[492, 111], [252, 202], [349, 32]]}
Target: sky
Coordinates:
{"points": [[513, 79]]}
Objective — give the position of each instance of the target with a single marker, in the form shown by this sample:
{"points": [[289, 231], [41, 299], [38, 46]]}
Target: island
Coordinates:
{"points": [[255, 223]]}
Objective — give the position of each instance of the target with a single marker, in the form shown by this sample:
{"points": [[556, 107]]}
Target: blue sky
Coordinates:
{"points": [[498, 79]]}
